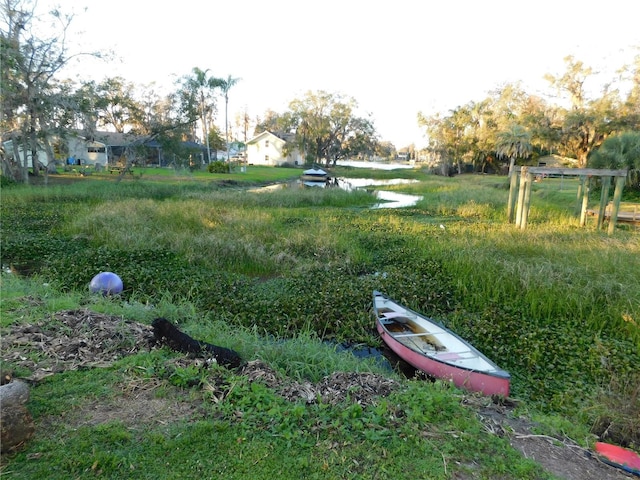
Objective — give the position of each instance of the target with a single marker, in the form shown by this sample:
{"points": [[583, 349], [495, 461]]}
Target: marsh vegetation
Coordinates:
{"points": [[558, 306]]}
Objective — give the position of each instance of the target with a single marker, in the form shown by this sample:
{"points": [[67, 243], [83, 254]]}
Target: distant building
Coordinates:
{"points": [[267, 148], [17, 153], [112, 148], [106, 148], [556, 161]]}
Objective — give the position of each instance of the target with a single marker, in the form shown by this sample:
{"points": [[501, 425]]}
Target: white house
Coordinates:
{"points": [[18, 153], [267, 148], [103, 148], [81, 151], [87, 152]]}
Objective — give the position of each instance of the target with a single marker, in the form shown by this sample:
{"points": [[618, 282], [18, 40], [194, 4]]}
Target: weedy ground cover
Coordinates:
{"points": [[557, 305]]}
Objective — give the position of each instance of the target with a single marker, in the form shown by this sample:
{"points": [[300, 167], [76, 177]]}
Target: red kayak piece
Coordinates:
{"points": [[620, 457]]}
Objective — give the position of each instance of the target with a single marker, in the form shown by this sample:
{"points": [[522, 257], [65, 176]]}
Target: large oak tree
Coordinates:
{"points": [[32, 96], [327, 128]]}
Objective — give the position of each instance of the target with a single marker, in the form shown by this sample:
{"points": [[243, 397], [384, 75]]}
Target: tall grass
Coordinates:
{"points": [[550, 274]]}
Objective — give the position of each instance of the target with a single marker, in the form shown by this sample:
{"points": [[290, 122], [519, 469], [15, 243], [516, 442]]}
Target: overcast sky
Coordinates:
{"points": [[395, 58]]}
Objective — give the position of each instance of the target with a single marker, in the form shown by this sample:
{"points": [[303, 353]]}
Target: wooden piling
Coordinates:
{"points": [[604, 198], [523, 184], [527, 200], [585, 201], [513, 192], [524, 192], [617, 196]]}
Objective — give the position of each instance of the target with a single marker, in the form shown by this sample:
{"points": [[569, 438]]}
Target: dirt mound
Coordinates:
{"points": [[361, 388], [76, 339], [71, 340], [562, 457]]}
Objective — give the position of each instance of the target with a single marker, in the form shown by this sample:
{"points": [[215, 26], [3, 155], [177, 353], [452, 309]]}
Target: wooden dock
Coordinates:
{"points": [[628, 212], [526, 175]]}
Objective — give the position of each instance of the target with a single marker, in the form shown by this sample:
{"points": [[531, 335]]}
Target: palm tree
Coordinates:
{"points": [[225, 86], [199, 87], [618, 152], [513, 143]]}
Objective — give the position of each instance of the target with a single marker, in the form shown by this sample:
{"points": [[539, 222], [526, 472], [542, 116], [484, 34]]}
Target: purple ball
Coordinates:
{"points": [[106, 283]]}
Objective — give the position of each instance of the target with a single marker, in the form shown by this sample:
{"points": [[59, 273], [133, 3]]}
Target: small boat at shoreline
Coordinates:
{"points": [[430, 347], [314, 177]]}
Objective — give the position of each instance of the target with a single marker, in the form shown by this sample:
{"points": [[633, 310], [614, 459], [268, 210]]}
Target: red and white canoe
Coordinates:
{"points": [[437, 351]]}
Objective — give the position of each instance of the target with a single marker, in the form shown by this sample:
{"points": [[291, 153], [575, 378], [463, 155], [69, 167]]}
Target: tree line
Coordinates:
{"points": [[510, 125], [39, 111]]}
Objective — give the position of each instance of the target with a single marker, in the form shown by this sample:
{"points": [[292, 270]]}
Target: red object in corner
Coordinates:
{"points": [[620, 457]]}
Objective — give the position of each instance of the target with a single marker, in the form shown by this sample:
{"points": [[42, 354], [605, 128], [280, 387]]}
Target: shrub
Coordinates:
{"points": [[218, 167]]}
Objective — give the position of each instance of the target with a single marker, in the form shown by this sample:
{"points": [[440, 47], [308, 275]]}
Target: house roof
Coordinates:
{"points": [[557, 161], [114, 139], [285, 137], [117, 139]]}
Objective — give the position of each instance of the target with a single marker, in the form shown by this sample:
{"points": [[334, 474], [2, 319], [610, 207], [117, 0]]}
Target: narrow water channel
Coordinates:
{"points": [[383, 357], [390, 199]]}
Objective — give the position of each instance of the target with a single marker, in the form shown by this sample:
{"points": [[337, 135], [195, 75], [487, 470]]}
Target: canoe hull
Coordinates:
{"points": [[490, 381], [314, 178]]}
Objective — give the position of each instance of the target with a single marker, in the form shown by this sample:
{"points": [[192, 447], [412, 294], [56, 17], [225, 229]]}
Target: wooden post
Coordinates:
{"points": [[617, 195], [523, 183], [579, 193], [513, 190], [604, 198], [521, 190], [527, 201], [585, 201]]}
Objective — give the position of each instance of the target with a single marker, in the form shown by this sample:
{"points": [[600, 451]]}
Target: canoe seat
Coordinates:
{"points": [[448, 356], [459, 356], [466, 355], [402, 335], [418, 334]]}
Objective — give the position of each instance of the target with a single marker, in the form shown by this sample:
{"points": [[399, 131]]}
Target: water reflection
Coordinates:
{"points": [[389, 199], [374, 165], [395, 199], [269, 188], [353, 183], [365, 352]]}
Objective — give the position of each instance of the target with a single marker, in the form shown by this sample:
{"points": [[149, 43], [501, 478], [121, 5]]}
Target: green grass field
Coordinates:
{"points": [[282, 277]]}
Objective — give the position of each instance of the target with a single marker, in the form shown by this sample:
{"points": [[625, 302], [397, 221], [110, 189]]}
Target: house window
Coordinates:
{"points": [[266, 159], [266, 143]]}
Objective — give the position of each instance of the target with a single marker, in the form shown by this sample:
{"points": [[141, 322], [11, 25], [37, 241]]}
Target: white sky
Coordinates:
{"points": [[395, 58]]}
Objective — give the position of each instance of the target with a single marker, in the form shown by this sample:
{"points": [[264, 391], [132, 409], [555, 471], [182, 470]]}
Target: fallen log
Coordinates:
{"points": [[167, 333]]}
